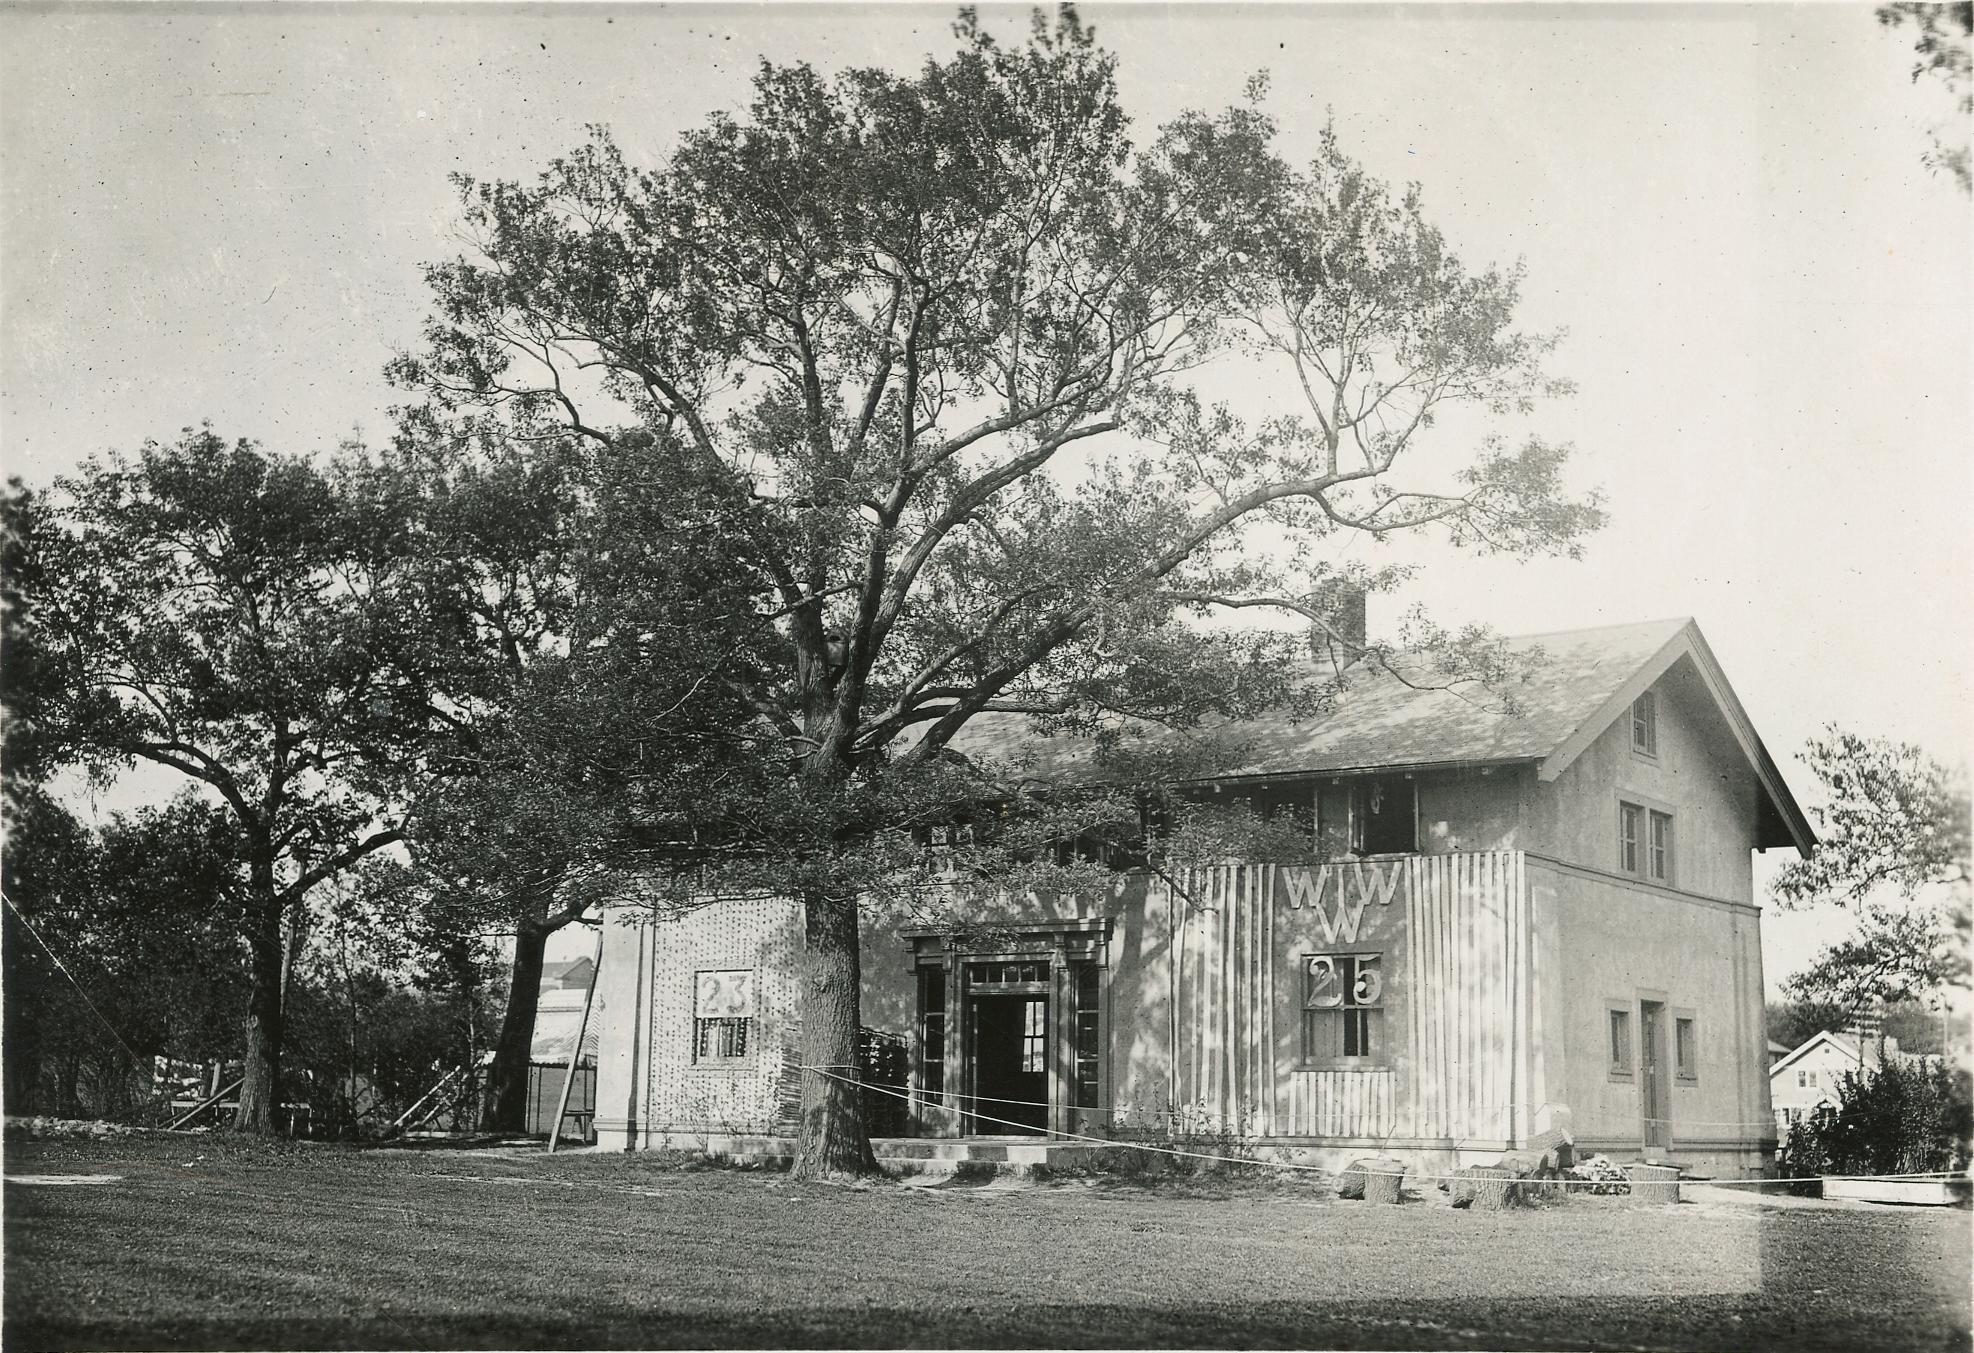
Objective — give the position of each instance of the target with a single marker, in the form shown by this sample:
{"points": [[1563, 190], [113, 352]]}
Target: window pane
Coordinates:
{"points": [[1620, 1039], [1385, 816], [1357, 1033], [1034, 1042], [1661, 858], [932, 1030], [1322, 1035], [1628, 834], [1086, 1036], [1645, 724], [720, 1038]]}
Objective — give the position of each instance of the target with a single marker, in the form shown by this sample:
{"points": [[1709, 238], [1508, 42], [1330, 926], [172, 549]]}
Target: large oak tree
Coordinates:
{"points": [[926, 343]]}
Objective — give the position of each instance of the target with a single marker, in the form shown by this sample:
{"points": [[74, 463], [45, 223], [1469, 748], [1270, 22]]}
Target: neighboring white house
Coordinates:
{"points": [[1808, 1076]]}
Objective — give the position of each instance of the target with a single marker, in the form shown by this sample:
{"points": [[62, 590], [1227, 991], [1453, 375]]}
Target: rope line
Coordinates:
{"points": [[45, 947], [1318, 1169], [932, 1099]]}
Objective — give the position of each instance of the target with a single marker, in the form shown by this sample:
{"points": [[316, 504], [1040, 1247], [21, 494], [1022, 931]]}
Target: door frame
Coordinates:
{"points": [[1654, 1081], [970, 1046], [1058, 943]]}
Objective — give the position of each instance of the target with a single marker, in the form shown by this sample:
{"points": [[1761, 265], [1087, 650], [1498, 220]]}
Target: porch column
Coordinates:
{"points": [[955, 1072], [1062, 1039]]}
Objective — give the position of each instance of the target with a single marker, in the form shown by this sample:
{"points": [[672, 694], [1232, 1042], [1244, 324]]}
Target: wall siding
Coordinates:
{"points": [[755, 1093], [1455, 1014], [1496, 965]]}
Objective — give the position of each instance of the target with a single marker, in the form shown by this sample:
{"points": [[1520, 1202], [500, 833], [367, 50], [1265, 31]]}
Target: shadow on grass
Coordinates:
{"points": [[1742, 1321]]}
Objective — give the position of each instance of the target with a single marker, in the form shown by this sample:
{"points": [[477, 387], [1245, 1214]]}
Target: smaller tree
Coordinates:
{"points": [[122, 945], [600, 625], [1895, 851], [244, 619]]}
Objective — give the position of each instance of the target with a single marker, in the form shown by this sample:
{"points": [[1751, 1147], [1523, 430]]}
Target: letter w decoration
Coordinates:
{"points": [[1375, 883]]}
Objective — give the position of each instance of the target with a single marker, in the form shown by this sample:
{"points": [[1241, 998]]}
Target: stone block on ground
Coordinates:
{"points": [[1384, 1186], [1654, 1183], [1556, 1144], [1523, 1164], [1462, 1187], [1494, 1188], [1351, 1183]]}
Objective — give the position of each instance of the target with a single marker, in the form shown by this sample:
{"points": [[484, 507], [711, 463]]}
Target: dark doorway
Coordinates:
{"points": [[1010, 1064], [1652, 1076]]}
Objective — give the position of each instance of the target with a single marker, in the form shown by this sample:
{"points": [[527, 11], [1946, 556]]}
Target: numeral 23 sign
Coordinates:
{"points": [[726, 995]]}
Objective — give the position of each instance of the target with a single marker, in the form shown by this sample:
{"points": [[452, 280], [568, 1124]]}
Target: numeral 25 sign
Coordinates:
{"points": [[1346, 982]]}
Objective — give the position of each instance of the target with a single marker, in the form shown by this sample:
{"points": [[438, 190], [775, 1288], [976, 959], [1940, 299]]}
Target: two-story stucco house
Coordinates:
{"points": [[1530, 919]]}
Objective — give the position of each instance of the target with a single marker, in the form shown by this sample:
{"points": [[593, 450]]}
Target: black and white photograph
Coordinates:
{"points": [[932, 675]]}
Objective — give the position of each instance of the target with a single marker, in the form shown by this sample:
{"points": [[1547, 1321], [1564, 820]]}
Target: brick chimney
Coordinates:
{"points": [[1343, 609], [1347, 614]]}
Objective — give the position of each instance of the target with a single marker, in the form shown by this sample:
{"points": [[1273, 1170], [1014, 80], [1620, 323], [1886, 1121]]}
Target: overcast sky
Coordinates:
{"points": [[218, 213]]}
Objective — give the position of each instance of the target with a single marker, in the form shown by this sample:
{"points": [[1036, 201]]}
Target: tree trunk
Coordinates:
{"points": [[260, 1088], [27, 1005], [506, 1106], [834, 1142]]}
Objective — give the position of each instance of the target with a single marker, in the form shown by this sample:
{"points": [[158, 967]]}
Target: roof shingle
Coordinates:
{"points": [[1381, 721]]}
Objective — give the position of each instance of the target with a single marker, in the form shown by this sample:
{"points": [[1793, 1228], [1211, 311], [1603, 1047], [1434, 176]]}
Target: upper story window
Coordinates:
{"points": [[1645, 724], [1645, 842], [1384, 816]]}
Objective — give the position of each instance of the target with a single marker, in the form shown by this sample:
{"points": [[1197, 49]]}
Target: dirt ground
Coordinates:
{"points": [[203, 1242]]}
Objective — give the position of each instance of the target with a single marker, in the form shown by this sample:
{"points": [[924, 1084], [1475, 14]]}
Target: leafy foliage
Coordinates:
{"points": [[919, 345], [122, 945], [1915, 1028], [1903, 1118], [1944, 52], [244, 619], [1895, 843]]}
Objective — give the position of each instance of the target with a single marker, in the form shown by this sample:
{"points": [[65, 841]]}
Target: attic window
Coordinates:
{"points": [[1645, 724], [1384, 816]]}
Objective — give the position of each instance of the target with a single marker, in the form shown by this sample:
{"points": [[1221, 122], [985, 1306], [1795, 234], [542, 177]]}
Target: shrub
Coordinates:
{"points": [[1903, 1118], [1188, 1128]]}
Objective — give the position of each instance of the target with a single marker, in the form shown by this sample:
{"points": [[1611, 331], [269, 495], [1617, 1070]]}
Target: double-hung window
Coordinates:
{"points": [[1645, 724], [1618, 1023], [1645, 842], [1342, 1009], [723, 1015]]}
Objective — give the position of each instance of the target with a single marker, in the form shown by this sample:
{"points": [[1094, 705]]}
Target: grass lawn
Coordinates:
{"points": [[212, 1244]]}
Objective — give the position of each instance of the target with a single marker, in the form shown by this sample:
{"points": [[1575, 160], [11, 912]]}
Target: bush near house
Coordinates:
{"points": [[1902, 1118]]}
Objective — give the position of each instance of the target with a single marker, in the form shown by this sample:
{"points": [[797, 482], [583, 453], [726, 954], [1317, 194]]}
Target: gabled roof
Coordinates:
{"points": [[1581, 683], [569, 973], [1845, 1045]]}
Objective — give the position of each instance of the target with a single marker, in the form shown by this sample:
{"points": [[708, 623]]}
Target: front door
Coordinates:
{"points": [[1010, 1063], [1652, 1076]]}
